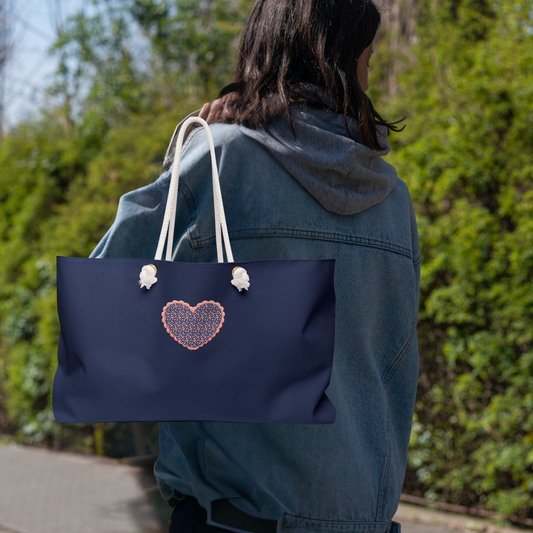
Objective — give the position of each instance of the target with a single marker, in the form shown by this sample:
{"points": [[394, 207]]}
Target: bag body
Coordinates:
{"points": [[194, 341], [267, 354]]}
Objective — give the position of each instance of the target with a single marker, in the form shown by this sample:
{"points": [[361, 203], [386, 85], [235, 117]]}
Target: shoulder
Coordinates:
{"points": [[240, 160], [225, 137]]}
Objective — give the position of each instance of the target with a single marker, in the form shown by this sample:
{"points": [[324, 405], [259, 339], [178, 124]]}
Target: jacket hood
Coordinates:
{"points": [[345, 176]]}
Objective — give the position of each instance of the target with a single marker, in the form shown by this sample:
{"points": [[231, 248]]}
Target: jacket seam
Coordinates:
{"points": [[189, 198], [385, 471], [287, 232], [401, 355], [195, 251]]}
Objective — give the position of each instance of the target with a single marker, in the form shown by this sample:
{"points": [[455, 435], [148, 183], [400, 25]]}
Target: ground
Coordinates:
{"points": [[43, 491]]}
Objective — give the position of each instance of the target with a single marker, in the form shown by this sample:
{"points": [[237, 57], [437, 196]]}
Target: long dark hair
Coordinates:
{"points": [[290, 48]]}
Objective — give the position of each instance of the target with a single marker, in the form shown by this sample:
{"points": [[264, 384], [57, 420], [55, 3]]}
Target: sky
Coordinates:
{"points": [[33, 31]]}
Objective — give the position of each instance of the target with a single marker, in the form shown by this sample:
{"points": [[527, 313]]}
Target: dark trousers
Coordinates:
{"points": [[190, 517]]}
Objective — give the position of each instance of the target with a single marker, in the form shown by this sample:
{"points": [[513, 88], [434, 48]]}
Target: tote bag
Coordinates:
{"points": [[160, 340]]}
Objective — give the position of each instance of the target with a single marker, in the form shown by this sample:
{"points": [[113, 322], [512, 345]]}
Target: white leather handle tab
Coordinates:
{"points": [[169, 219]]}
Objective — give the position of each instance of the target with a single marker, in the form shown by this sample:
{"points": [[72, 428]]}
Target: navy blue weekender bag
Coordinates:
{"points": [[159, 340]]}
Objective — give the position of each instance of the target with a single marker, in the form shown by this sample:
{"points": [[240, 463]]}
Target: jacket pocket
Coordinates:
{"points": [[298, 524], [401, 355]]}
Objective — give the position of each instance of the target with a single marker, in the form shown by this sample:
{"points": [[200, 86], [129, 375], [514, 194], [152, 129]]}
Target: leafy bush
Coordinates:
{"points": [[466, 155]]}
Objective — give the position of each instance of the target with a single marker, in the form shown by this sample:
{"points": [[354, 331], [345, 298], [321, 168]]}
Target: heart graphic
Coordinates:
{"points": [[194, 326]]}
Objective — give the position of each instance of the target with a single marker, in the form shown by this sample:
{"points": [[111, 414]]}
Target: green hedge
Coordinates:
{"points": [[467, 156]]}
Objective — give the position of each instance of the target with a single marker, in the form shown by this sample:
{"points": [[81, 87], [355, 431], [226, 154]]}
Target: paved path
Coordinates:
{"points": [[42, 491], [54, 492]]}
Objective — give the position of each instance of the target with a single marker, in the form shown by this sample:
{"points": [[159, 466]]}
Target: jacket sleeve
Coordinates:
{"points": [[137, 226]]}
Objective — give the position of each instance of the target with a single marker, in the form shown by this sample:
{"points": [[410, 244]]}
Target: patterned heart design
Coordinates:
{"points": [[194, 326]]}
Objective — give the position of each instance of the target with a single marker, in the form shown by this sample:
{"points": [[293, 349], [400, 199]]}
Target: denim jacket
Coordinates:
{"points": [[323, 477]]}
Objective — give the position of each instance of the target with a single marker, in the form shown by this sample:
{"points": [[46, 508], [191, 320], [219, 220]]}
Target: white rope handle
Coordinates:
{"points": [[169, 219]]}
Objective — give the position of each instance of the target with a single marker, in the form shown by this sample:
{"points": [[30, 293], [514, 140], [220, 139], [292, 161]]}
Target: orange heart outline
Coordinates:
{"points": [[192, 309]]}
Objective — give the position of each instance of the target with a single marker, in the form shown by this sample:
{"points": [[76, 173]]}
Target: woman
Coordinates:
{"points": [[299, 150]]}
